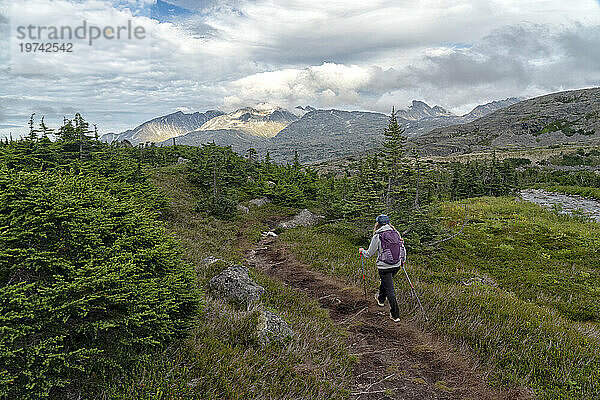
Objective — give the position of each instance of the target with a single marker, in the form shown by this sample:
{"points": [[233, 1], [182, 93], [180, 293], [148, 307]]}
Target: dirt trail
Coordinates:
{"points": [[396, 360]]}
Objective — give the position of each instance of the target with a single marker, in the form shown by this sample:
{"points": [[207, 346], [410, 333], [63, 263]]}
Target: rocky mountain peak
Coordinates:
{"points": [[420, 110], [484, 109], [256, 121], [299, 111]]}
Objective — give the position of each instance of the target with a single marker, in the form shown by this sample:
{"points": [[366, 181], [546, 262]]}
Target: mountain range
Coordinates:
{"points": [[163, 128], [315, 134], [570, 117], [319, 135]]}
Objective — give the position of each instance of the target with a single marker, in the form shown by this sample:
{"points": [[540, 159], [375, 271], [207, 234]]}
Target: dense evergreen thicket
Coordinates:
{"points": [[90, 283], [226, 178]]}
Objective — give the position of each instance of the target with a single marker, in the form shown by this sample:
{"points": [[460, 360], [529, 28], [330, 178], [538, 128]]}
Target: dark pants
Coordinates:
{"points": [[386, 289]]}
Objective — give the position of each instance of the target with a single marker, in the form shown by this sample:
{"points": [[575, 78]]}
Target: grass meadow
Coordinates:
{"points": [[520, 287], [222, 358]]}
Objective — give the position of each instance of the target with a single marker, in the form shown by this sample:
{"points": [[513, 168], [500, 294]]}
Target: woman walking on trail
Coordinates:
{"points": [[389, 246]]}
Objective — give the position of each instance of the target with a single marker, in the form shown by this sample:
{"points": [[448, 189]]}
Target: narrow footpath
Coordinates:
{"points": [[396, 360]]}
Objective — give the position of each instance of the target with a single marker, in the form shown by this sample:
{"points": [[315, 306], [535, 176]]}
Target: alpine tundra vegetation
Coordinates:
{"points": [[105, 276]]}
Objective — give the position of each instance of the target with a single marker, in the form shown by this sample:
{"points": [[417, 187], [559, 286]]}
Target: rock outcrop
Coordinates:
{"points": [[234, 285], [259, 202], [303, 218], [272, 327]]}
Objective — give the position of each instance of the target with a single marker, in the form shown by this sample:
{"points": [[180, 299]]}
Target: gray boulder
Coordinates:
{"points": [[234, 285], [243, 209], [182, 160], [271, 327], [259, 202], [303, 218]]}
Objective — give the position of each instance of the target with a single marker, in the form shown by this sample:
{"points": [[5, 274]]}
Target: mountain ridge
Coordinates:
{"points": [[315, 134], [567, 117], [269, 122], [262, 123], [163, 128]]}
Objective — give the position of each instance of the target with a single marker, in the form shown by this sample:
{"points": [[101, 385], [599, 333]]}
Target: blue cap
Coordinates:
{"points": [[383, 219]]}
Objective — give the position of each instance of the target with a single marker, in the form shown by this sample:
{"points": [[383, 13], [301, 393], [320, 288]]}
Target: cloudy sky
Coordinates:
{"points": [[362, 55]]}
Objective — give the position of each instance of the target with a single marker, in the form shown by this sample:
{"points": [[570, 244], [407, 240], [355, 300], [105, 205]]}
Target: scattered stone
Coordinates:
{"points": [[271, 327], [479, 280], [563, 203], [260, 202], [210, 260], [303, 218], [234, 285], [182, 160], [270, 184], [243, 209], [268, 234]]}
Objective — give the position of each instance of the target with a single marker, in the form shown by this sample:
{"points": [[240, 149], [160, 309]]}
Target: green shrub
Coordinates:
{"points": [[89, 283], [222, 207]]}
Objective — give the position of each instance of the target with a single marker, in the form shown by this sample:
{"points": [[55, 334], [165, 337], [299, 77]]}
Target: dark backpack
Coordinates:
{"points": [[392, 247]]}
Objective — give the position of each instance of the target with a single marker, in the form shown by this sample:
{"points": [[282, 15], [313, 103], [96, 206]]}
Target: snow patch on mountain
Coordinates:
{"points": [[262, 122]]}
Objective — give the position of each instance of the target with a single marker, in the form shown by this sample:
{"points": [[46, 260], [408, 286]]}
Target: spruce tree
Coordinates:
{"points": [[33, 131], [252, 154], [394, 146], [296, 163]]}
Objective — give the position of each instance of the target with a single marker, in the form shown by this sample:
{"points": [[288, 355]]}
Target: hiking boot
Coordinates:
{"points": [[394, 319], [380, 304]]}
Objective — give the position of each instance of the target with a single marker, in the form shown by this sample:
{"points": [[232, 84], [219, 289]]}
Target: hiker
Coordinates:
{"points": [[389, 246]]}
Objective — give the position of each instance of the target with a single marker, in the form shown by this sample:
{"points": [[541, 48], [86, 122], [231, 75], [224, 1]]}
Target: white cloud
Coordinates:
{"points": [[349, 54], [522, 60], [327, 85]]}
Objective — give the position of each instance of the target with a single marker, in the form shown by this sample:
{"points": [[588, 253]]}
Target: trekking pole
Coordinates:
{"points": [[362, 261], [415, 293]]}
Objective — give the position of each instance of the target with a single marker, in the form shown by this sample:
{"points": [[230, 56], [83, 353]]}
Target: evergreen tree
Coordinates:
{"points": [[44, 129], [394, 145], [296, 162], [33, 131], [252, 154]]}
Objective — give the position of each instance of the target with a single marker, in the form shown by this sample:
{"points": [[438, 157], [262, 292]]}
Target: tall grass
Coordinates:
{"points": [[222, 357], [533, 319]]}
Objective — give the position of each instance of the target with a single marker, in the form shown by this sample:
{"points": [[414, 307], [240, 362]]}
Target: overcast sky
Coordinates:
{"points": [[359, 55]]}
